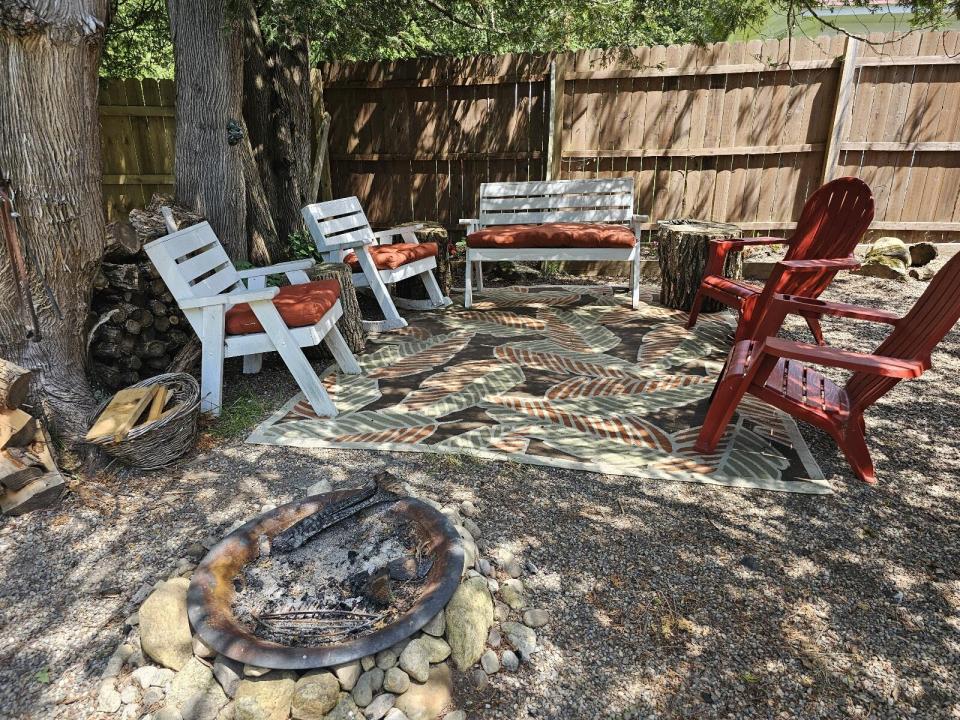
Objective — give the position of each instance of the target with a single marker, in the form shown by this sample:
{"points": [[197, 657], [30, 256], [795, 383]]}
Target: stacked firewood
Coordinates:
{"points": [[138, 329], [29, 478]]}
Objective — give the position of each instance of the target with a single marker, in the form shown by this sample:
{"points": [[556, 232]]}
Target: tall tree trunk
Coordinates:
{"points": [[208, 159], [278, 111], [50, 150]]}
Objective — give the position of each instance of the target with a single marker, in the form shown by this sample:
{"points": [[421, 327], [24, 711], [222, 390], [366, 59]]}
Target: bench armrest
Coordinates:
{"points": [[845, 359], [244, 296], [399, 230], [277, 269], [847, 263]]}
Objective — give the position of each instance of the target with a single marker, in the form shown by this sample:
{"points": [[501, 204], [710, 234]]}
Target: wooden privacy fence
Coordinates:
{"points": [[137, 131], [731, 132]]}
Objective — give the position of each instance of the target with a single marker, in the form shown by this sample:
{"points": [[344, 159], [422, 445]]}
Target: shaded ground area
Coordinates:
{"points": [[667, 600]]}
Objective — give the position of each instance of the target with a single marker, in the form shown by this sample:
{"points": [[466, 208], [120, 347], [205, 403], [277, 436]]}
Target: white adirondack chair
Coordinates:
{"points": [[201, 277], [341, 226]]}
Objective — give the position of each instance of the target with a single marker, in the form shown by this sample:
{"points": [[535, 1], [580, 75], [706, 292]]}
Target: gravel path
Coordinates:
{"points": [[667, 600]]}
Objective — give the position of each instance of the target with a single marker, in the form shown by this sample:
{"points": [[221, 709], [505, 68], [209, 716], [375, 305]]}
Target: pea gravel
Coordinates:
{"points": [[665, 600]]}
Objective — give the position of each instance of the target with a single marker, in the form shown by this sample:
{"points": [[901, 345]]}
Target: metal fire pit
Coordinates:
{"points": [[210, 598]]}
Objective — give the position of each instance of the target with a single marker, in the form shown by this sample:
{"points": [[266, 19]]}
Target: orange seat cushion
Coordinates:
{"points": [[553, 235], [299, 306], [390, 257]]}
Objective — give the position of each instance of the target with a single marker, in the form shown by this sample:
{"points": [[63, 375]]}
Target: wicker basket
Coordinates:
{"points": [[161, 442]]}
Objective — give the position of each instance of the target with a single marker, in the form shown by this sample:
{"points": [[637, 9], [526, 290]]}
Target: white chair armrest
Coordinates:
{"points": [[637, 221], [233, 298], [409, 233], [469, 221], [641, 218], [284, 267]]}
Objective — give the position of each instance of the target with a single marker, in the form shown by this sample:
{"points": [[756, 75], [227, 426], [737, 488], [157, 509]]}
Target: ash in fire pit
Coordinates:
{"points": [[353, 577]]}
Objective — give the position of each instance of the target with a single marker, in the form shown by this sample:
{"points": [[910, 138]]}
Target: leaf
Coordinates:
{"points": [[348, 393], [498, 323], [596, 450], [620, 397], [43, 676], [372, 427], [575, 332], [544, 355], [741, 453], [507, 438], [411, 358], [768, 421], [512, 297], [461, 386], [669, 344], [410, 332], [629, 430]]}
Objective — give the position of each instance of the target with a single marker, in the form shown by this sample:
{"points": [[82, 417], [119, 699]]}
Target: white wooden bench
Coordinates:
{"points": [[342, 233], [554, 220], [213, 295]]}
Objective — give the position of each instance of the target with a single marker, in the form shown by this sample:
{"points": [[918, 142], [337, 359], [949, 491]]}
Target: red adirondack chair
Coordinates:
{"points": [[831, 224], [775, 370]]}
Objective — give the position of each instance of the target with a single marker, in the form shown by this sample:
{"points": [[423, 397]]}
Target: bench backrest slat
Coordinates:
{"points": [[513, 203], [336, 223]]}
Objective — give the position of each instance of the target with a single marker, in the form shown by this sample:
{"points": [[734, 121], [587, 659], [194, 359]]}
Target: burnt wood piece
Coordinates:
{"points": [[301, 532], [14, 384], [122, 276], [122, 241], [683, 247]]}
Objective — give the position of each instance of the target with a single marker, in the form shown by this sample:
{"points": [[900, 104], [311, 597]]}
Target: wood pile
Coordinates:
{"points": [[138, 330], [29, 478]]}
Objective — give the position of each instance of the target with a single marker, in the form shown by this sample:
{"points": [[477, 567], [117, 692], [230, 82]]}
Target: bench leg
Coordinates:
{"points": [[635, 282], [479, 271], [468, 282]]}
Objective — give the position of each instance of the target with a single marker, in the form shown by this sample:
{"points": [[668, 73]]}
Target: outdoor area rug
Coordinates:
{"points": [[565, 376]]}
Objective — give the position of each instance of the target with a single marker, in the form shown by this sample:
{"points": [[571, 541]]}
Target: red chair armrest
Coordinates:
{"points": [[845, 359], [810, 306], [848, 263]]}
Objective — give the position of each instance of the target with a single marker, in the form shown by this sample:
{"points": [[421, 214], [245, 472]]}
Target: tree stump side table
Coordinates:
{"points": [[412, 288], [682, 251]]}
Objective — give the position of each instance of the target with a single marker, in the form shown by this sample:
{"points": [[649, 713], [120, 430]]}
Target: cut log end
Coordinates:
{"points": [[14, 385]]}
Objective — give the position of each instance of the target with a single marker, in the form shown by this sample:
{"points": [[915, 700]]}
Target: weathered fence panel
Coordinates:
{"points": [[137, 131], [730, 132]]}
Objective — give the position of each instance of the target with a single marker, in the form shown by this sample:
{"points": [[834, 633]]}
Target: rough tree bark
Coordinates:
{"points": [[207, 44], [50, 151], [277, 108]]}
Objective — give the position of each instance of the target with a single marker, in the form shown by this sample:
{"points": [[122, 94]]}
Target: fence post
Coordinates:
{"points": [[841, 109], [558, 67]]}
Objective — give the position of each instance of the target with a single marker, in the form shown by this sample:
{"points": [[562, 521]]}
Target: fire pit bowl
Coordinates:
{"points": [[211, 595]]}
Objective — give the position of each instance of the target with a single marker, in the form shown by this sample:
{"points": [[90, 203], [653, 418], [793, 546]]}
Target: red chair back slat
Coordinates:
{"points": [[831, 224], [916, 335]]}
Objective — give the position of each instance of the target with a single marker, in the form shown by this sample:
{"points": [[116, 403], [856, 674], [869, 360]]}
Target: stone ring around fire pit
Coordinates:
{"points": [[212, 591]]}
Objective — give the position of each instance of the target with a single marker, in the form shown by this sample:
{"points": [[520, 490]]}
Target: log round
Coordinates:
{"points": [[14, 385], [682, 250], [349, 324], [412, 288]]}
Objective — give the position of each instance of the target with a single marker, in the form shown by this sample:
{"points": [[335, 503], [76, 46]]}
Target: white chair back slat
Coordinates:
{"points": [[192, 262], [607, 200], [335, 223]]}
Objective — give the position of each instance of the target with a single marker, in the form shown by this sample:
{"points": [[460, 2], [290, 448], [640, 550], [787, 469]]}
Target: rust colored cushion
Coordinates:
{"points": [[390, 257], [553, 235], [299, 306]]}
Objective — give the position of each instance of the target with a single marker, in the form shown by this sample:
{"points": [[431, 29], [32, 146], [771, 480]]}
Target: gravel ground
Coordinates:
{"points": [[667, 600]]}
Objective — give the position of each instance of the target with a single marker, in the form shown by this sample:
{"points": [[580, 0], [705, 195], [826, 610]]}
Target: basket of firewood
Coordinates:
{"points": [[149, 424]]}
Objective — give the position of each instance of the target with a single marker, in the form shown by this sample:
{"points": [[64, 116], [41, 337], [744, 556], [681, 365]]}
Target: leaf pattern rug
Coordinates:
{"points": [[566, 376]]}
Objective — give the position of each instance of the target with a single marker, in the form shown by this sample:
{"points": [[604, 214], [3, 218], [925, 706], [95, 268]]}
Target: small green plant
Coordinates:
{"points": [[239, 416], [302, 246], [43, 676]]}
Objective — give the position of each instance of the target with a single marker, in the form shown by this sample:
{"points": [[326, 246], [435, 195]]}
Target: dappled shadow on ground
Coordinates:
{"points": [[666, 599]]}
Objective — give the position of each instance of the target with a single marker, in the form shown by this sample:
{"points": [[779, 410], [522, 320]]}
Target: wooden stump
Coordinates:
{"points": [[350, 325], [412, 288], [682, 249], [14, 385]]}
